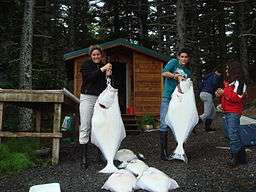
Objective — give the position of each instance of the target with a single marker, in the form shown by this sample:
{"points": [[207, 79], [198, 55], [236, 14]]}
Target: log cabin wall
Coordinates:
{"points": [[147, 84], [77, 75]]}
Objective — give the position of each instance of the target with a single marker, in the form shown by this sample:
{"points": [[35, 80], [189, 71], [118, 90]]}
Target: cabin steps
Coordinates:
{"points": [[131, 124]]}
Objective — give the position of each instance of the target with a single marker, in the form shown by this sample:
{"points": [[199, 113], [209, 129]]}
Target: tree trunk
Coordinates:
{"points": [[222, 39], [181, 23], [25, 73], [194, 45], [73, 25], [143, 14], [46, 28], [243, 40]]}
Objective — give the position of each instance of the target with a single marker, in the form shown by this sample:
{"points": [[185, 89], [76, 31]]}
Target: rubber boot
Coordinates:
{"points": [[197, 125], [84, 162], [242, 156], [208, 123], [163, 145], [234, 160], [100, 157]]}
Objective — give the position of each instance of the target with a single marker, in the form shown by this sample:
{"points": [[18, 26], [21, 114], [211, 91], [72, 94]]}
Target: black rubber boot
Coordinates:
{"points": [[207, 124], [234, 160], [163, 145], [242, 156], [101, 157], [197, 125], [84, 162]]}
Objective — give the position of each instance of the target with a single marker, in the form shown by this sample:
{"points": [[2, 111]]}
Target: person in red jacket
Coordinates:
{"points": [[232, 102]]}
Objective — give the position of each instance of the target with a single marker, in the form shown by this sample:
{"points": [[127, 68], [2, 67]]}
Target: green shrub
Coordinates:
{"points": [[4, 151], [147, 119], [18, 154], [23, 145], [14, 163]]}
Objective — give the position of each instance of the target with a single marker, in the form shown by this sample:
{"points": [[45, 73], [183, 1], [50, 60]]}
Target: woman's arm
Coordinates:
{"points": [[91, 73]]}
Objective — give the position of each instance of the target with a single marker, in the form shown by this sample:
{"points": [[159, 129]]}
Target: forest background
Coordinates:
{"points": [[35, 34]]}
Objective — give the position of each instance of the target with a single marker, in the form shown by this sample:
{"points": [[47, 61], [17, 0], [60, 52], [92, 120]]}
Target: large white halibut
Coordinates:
{"points": [[108, 129], [182, 115]]}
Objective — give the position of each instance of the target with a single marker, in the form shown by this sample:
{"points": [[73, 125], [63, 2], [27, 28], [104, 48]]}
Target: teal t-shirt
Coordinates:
{"points": [[173, 66]]}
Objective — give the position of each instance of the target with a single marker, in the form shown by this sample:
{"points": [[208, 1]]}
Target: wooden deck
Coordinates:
{"points": [[55, 102]]}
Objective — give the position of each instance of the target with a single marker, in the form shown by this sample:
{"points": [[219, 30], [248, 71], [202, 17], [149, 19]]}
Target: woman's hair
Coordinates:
{"points": [[235, 71], [95, 47]]}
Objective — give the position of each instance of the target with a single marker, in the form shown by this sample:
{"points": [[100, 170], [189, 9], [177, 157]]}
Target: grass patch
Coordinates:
{"points": [[15, 163], [18, 154], [4, 151]]}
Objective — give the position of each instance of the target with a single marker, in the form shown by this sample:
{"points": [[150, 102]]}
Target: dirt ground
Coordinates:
{"points": [[206, 170]]}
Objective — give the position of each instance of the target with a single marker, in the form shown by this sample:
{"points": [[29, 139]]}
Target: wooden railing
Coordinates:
{"points": [[55, 102]]}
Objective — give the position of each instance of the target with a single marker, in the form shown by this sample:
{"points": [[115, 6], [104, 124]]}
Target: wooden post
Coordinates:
{"points": [[1, 116], [56, 129], [38, 121]]}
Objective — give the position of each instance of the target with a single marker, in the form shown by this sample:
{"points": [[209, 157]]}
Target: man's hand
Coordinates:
{"points": [[178, 77]]}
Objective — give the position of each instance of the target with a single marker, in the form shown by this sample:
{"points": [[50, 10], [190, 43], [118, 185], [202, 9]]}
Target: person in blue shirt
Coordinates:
{"points": [[174, 71], [208, 85]]}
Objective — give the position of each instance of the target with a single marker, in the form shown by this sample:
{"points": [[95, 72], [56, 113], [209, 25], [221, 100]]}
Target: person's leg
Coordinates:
{"points": [[164, 129], [87, 103], [213, 110], [242, 156], [242, 153], [225, 124], [208, 121], [233, 122], [207, 99]]}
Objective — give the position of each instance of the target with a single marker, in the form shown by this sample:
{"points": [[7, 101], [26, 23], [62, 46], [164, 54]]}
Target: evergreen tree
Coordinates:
{"points": [[79, 24], [10, 36], [25, 68], [166, 26], [241, 14]]}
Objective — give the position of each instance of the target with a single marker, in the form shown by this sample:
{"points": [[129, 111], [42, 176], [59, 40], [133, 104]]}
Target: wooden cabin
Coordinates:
{"points": [[137, 70]]}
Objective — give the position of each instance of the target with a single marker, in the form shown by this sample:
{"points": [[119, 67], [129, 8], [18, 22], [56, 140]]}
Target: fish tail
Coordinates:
{"points": [[110, 168], [181, 157]]}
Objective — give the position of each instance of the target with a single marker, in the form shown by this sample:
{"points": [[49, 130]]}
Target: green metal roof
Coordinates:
{"points": [[119, 42]]}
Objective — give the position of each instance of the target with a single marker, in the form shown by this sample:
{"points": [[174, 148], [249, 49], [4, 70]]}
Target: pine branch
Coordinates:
{"points": [[44, 36], [247, 34], [233, 2], [14, 60], [253, 25]]}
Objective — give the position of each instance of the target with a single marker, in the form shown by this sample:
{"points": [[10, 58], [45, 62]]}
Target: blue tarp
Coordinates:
{"points": [[247, 131]]}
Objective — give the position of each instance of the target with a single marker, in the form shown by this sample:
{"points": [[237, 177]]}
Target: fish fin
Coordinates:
{"points": [[110, 168], [181, 157]]}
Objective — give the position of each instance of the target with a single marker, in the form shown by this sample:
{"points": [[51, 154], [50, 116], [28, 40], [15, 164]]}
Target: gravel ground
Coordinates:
{"points": [[206, 170]]}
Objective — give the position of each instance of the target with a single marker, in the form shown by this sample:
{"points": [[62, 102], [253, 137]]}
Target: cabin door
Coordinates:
{"points": [[119, 78]]}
